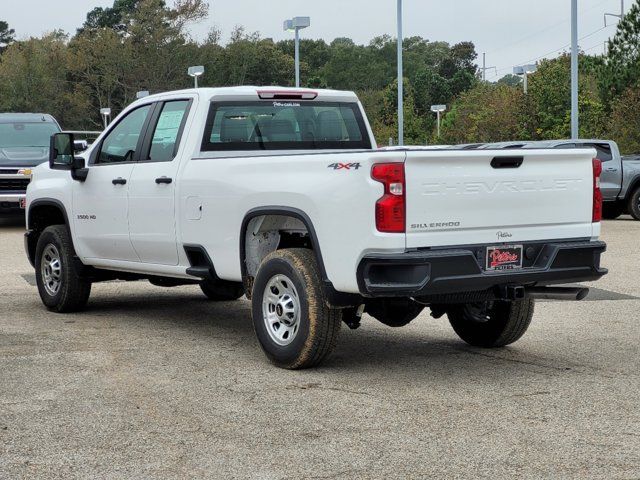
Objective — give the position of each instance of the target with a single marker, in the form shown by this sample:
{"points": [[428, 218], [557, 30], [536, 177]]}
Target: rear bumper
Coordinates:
{"points": [[433, 272]]}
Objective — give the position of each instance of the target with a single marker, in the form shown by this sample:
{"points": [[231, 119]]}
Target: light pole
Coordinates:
{"points": [[525, 70], [296, 24], [195, 72], [485, 68], [106, 114], [400, 79], [438, 109], [621, 16], [574, 70]]}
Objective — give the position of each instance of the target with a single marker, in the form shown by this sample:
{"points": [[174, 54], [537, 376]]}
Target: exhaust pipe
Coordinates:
{"points": [[557, 293]]}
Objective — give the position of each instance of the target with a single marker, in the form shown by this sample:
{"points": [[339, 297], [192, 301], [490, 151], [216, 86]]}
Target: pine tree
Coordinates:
{"points": [[6, 35], [621, 67]]}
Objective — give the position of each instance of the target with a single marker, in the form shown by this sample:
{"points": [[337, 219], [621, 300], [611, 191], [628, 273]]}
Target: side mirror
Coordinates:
{"points": [[61, 151]]}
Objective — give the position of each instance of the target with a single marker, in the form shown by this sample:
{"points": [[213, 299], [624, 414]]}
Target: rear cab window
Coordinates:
{"points": [[284, 125], [603, 149]]}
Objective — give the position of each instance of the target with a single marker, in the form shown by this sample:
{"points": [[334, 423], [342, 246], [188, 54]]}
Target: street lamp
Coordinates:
{"points": [[438, 109], [621, 16], [295, 25], [525, 70], [106, 114], [400, 79], [196, 72]]}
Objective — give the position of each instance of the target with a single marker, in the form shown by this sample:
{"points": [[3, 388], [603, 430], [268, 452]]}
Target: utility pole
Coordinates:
{"points": [[621, 16], [400, 79], [297, 57], [485, 68], [574, 70]]}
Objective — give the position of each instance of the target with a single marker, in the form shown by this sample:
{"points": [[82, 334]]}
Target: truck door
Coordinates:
{"points": [[611, 178], [152, 189], [100, 205]]}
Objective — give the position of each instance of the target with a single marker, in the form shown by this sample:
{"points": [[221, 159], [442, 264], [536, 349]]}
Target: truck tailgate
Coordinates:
{"points": [[498, 196]]}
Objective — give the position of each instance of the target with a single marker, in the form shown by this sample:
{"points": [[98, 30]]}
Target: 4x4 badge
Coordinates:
{"points": [[344, 166]]}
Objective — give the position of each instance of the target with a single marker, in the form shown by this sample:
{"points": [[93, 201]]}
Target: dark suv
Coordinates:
{"points": [[24, 143]]}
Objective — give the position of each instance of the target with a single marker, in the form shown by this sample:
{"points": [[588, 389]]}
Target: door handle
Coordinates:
{"points": [[165, 180], [610, 169], [119, 181]]}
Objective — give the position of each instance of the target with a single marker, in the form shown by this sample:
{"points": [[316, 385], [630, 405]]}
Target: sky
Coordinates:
{"points": [[510, 32]]}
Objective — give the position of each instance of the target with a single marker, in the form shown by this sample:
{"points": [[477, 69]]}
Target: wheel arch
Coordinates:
{"points": [[633, 186], [42, 213], [336, 299], [279, 211]]}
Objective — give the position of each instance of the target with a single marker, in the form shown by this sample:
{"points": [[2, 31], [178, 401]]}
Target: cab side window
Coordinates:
{"points": [[121, 144], [167, 131]]}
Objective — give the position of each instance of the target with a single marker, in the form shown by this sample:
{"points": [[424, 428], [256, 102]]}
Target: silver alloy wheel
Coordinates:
{"points": [[51, 269], [281, 310]]}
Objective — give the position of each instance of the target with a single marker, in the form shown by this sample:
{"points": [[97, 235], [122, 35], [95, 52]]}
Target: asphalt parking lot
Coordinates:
{"points": [[160, 383]]}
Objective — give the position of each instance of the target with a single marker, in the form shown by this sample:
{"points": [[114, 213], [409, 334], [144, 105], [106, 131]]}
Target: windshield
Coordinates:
{"points": [[26, 134], [285, 125]]}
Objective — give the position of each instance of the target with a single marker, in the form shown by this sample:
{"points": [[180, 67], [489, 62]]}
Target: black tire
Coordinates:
{"points": [[221, 291], [65, 291], [292, 280], [634, 204], [491, 324], [612, 210], [395, 312]]}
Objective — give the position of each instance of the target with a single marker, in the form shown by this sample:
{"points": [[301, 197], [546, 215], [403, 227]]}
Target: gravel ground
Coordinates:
{"points": [[160, 383]]}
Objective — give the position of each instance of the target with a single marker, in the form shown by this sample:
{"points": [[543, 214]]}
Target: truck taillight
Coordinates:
{"points": [[597, 194], [390, 208]]}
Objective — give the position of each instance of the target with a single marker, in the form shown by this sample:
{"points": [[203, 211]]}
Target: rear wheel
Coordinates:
{"points": [[61, 287], [491, 324], [293, 323], [634, 204]]}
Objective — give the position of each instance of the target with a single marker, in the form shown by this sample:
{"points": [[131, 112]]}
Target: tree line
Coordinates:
{"points": [[144, 45]]}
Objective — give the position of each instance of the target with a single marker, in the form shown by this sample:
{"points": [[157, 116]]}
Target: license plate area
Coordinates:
{"points": [[503, 257]]}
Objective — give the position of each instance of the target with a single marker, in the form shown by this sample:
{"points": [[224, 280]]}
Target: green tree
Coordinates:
{"points": [[550, 94], [487, 113], [510, 80], [625, 121], [621, 67], [7, 35], [430, 89], [416, 130], [34, 77]]}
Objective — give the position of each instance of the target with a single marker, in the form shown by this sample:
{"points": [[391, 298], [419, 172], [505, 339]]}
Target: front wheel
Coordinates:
{"points": [[634, 204], [61, 287], [491, 324], [293, 323]]}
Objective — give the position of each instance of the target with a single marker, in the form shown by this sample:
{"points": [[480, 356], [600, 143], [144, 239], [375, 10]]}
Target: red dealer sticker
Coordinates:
{"points": [[23, 203], [504, 257]]}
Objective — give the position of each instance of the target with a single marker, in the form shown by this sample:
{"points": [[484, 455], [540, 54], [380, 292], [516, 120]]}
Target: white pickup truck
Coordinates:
{"points": [[281, 195]]}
